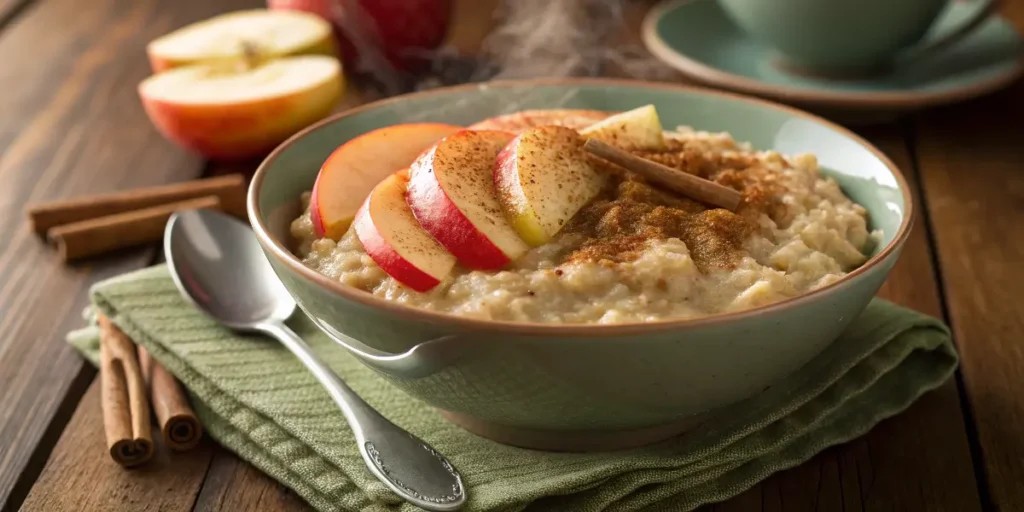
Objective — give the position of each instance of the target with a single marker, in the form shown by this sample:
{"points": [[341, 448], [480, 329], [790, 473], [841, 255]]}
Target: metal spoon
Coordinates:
{"points": [[218, 265]]}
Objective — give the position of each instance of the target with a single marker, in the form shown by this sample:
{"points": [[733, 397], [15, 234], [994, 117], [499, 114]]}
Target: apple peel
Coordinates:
{"points": [[543, 178], [353, 169], [395, 241], [452, 194]]}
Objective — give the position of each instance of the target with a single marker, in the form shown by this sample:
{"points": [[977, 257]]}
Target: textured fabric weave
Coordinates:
{"points": [[258, 401]]}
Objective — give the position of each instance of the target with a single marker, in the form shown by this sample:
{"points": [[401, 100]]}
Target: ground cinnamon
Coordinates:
{"points": [[125, 405], [178, 423], [689, 185], [129, 229]]}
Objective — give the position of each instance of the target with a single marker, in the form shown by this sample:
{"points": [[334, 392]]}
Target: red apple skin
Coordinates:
{"points": [[386, 257], [314, 214], [395, 241], [404, 27], [374, 142], [239, 131], [436, 212]]}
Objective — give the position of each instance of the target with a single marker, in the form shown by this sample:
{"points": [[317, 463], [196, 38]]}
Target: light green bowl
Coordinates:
{"points": [[580, 387]]}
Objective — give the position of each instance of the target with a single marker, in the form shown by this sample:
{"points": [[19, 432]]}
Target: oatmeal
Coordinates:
{"points": [[637, 253]]}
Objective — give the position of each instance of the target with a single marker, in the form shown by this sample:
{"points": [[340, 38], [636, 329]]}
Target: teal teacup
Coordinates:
{"points": [[852, 38]]}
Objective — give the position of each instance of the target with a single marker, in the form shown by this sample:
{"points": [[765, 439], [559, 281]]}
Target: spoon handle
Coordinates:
{"points": [[404, 463]]}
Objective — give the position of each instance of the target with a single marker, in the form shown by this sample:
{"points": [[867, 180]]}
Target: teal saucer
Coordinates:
{"points": [[697, 38]]}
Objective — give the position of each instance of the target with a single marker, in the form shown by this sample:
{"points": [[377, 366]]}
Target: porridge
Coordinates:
{"points": [[637, 253]]}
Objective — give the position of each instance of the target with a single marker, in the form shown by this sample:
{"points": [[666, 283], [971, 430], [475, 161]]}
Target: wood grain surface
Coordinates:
{"points": [[72, 124], [233, 484], [974, 188], [87, 479], [9, 10], [970, 159]]}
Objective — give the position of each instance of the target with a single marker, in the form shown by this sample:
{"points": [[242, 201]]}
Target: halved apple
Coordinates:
{"points": [[391, 236], [543, 178], [526, 119], [639, 128], [222, 111], [241, 35], [353, 169], [452, 194]]}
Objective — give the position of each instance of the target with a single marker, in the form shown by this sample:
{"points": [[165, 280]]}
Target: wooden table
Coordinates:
{"points": [[71, 124]]}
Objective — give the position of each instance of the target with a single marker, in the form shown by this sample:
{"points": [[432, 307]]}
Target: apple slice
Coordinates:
{"points": [[634, 129], [241, 113], [239, 35], [526, 119], [543, 178], [396, 242], [353, 169], [452, 195]]}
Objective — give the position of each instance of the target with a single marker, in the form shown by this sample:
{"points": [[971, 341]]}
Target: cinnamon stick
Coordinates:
{"points": [[102, 234], [179, 426], [125, 405], [689, 185], [229, 189]]}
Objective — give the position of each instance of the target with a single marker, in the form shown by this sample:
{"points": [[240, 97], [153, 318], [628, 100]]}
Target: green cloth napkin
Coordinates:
{"points": [[257, 400]]}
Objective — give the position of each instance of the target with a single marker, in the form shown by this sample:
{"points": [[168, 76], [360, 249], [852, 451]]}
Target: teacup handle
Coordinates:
{"points": [[953, 34]]}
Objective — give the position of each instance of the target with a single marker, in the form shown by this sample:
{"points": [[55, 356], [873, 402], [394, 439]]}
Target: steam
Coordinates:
{"points": [[531, 39], [562, 38], [490, 102]]}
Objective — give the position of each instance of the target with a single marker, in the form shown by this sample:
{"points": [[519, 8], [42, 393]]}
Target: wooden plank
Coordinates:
{"points": [[72, 124], [896, 466], [9, 10], [86, 478], [970, 159], [233, 484]]}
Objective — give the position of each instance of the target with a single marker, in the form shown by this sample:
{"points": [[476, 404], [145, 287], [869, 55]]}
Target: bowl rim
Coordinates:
{"points": [[279, 250]]}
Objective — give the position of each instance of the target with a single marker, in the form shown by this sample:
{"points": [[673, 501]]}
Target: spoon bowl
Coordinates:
{"points": [[221, 269]]}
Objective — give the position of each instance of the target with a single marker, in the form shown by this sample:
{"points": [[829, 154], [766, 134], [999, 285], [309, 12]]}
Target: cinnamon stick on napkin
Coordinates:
{"points": [[134, 384], [178, 424], [125, 405]]}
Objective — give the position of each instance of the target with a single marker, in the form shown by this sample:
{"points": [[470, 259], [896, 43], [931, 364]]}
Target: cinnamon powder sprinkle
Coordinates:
{"points": [[631, 212]]}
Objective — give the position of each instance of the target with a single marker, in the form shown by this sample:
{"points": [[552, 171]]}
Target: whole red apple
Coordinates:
{"points": [[404, 29]]}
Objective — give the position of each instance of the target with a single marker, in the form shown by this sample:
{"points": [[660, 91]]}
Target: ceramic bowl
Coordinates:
{"points": [[580, 387]]}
